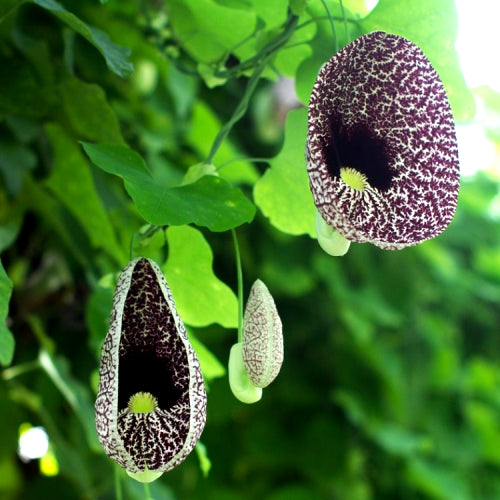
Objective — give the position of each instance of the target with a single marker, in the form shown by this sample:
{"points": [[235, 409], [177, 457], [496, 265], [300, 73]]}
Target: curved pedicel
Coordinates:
{"points": [[151, 404]]}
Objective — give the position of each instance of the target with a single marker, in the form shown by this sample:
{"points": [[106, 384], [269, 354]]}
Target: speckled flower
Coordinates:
{"points": [[151, 404], [382, 153]]}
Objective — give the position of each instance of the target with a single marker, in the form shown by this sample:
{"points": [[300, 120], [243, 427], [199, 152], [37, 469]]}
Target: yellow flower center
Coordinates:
{"points": [[142, 402], [353, 178]]}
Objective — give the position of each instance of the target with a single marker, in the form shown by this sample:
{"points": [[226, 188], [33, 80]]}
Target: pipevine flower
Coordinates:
{"points": [[256, 361], [151, 404], [382, 154]]}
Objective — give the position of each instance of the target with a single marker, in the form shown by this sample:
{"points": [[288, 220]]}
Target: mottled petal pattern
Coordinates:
{"points": [[262, 336], [379, 107], [146, 350]]}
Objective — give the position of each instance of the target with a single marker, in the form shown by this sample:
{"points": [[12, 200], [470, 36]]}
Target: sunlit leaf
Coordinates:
{"points": [[322, 43], [209, 202], [273, 13], [433, 26], [6, 337], [209, 30], [116, 57], [283, 192], [201, 298]]}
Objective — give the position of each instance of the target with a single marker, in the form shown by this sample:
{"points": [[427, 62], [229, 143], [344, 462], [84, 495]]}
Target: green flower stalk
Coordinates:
{"points": [[151, 403]]}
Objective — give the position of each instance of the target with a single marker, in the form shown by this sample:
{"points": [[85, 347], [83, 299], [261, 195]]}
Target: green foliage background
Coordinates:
{"points": [[390, 387]]}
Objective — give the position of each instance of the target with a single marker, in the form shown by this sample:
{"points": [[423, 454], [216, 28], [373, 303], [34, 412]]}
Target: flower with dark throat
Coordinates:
{"points": [[382, 153], [151, 404]]}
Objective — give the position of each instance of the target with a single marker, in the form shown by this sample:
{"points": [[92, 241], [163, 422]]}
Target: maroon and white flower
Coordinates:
{"points": [[151, 404], [382, 153]]}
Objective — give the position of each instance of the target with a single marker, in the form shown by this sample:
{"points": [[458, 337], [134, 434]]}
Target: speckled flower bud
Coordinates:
{"points": [[151, 404], [262, 336]]}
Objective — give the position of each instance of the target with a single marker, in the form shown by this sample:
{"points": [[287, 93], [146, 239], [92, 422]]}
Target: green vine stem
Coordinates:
{"points": [[332, 24], [147, 492], [118, 483], [239, 274], [240, 110], [346, 27]]}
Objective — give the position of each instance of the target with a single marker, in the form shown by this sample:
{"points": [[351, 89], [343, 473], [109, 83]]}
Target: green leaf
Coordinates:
{"points": [[400, 441], [11, 219], [274, 13], [298, 6], [116, 57], [15, 160], [20, 91], [283, 193], [73, 391], [205, 462], [211, 367], [207, 30], [89, 112], [6, 337], [71, 181], [7, 6], [433, 26], [209, 202], [321, 45], [200, 297], [438, 481]]}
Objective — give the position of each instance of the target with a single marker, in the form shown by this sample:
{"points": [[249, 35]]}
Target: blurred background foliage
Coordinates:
{"points": [[390, 387]]}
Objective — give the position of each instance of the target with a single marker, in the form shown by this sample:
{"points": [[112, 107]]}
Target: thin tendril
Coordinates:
{"points": [[346, 27], [239, 274], [118, 483], [332, 24]]}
